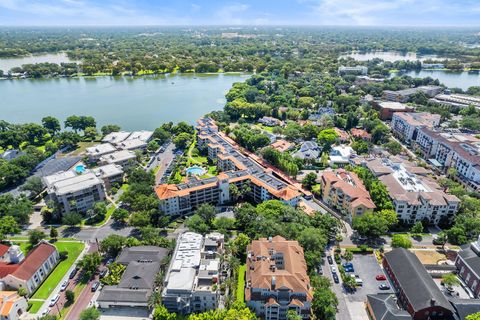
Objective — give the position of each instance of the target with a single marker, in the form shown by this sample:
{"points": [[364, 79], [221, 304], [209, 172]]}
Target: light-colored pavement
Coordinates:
{"points": [[166, 158], [337, 288]]}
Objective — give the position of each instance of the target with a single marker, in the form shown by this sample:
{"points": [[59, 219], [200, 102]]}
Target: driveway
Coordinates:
{"points": [[166, 158]]}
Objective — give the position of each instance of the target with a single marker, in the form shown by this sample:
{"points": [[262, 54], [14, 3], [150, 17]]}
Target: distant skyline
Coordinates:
{"points": [[245, 12]]}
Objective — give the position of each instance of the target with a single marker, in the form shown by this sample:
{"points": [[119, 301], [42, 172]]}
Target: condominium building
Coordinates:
{"points": [[277, 279], [362, 70], [192, 280], [110, 174], [123, 158], [132, 144], [452, 150], [406, 94], [94, 153], [386, 109], [236, 168], [344, 191], [72, 192], [456, 100], [405, 126], [116, 137], [143, 135], [415, 196]]}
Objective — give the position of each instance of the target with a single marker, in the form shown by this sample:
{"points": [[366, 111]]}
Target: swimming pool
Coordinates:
{"points": [[195, 171], [80, 168]]}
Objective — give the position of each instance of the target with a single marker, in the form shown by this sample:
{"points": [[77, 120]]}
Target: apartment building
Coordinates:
{"points": [[468, 266], [452, 150], [456, 100], [405, 126], [110, 174], [123, 158], [277, 279], [143, 135], [72, 192], [386, 109], [360, 70], [132, 144], [192, 280], [406, 94], [116, 137], [94, 153], [415, 196], [235, 167], [344, 191]]}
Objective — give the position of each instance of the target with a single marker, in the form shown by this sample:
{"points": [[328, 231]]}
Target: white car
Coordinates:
{"points": [[333, 268], [45, 312], [54, 300], [64, 286]]}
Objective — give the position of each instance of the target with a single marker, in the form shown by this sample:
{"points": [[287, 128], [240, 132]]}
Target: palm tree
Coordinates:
{"points": [[155, 299]]}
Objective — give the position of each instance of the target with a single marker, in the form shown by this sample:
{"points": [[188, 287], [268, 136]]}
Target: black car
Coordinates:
{"points": [[95, 286], [330, 260], [73, 273], [335, 278]]}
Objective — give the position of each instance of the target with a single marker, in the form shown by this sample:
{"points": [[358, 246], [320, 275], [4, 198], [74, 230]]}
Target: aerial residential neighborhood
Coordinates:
{"points": [[216, 160]]}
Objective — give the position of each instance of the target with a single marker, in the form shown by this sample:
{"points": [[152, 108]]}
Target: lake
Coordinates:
{"points": [[390, 56], [8, 63], [462, 80], [133, 103]]}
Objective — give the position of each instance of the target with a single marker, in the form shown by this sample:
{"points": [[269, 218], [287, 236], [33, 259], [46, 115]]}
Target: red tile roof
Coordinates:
{"points": [[34, 260], [7, 268], [3, 249]]}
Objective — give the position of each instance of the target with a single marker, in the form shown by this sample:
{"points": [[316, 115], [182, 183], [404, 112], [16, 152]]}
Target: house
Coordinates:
{"points": [[415, 196], [468, 266], [383, 306], [138, 281], [72, 192], [345, 191], [12, 305], [340, 155], [282, 145], [94, 153], [386, 109], [123, 158], [309, 150], [360, 134], [416, 291], [270, 121], [35, 268], [406, 94], [342, 135], [405, 126], [277, 279], [193, 277], [11, 154]]}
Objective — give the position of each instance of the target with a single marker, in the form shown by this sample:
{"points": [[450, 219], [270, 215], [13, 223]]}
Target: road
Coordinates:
{"points": [[337, 288], [166, 158]]}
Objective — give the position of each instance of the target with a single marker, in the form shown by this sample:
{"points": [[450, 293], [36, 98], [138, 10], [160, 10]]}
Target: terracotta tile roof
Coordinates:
{"points": [[294, 274], [282, 145], [34, 260], [343, 135], [166, 191], [7, 268], [3, 249], [360, 133], [7, 300]]}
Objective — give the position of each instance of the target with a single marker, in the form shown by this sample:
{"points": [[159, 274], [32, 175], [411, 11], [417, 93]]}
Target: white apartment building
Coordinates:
{"points": [[110, 174], [456, 100], [415, 196], [452, 150], [405, 125], [72, 192], [94, 153], [404, 95], [116, 137], [123, 158], [192, 281], [132, 144]]}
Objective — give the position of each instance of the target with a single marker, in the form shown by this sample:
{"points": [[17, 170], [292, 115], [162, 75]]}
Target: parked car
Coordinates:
{"points": [[95, 286], [333, 268], [45, 312], [109, 261], [103, 273], [54, 300], [73, 273], [330, 260], [384, 286], [64, 285], [359, 282], [348, 267], [335, 278], [381, 277]]}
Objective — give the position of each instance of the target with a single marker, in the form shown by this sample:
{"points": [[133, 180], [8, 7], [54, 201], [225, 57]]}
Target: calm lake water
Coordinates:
{"points": [[9, 63], [462, 80], [132, 103], [390, 56]]}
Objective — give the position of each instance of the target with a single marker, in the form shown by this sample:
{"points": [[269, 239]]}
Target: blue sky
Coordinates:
{"points": [[242, 12]]}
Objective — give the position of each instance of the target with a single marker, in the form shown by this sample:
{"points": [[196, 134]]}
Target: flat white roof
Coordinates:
{"points": [[118, 156], [101, 149], [183, 279], [116, 137], [141, 135], [49, 180], [108, 170], [132, 144], [76, 183]]}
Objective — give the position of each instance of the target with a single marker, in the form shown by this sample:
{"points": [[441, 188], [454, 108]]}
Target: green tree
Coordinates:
{"points": [[292, 315], [53, 233], [51, 124], [90, 314], [207, 213], [393, 147], [417, 228], [112, 245], [197, 223], [90, 263], [401, 241], [109, 128], [8, 225], [327, 137], [348, 256], [161, 313], [182, 140], [35, 236], [309, 181], [70, 296], [68, 139], [324, 303], [473, 316], [153, 146], [120, 215], [449, 280], [370, 225], [72, 219], [90, 133]]}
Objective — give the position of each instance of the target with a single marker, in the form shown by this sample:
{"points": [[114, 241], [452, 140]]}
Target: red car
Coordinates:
{"points": [[381, 277]]}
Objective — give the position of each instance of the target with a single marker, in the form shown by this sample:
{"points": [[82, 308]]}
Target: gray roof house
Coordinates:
{"points": [[309, 150], [138, 281]]}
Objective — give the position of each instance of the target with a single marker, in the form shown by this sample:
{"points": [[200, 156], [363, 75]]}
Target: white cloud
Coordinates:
{"points": [[231, 14]]}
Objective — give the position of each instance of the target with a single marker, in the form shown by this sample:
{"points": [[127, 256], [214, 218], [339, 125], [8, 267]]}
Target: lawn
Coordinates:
{"points": [[82, 146], [34, 306], [74, 249], [155, 170], [110, 210], [124, 187], [265, 128], [241, 283]]}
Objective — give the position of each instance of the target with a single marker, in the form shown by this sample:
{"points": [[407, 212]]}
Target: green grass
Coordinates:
{"points": [[265, 128], [110, 210], [241, 283], [74, 249], [124, 187], [155, 170], [34, 306], [82, 146]]}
